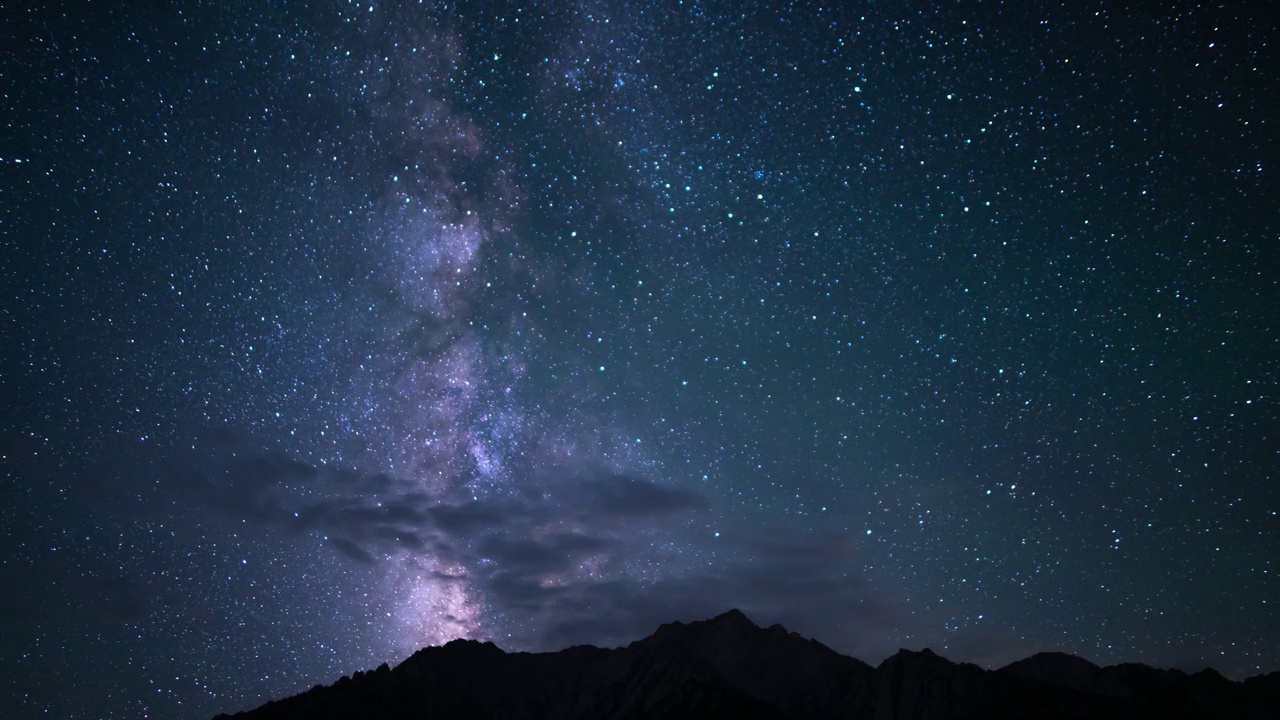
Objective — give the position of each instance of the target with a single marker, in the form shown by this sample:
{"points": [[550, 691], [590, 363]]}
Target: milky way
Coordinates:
{"points": [[338, 331]]}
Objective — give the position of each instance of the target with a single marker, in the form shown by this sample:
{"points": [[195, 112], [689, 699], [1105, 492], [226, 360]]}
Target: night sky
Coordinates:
{"points": [[332, 331]]}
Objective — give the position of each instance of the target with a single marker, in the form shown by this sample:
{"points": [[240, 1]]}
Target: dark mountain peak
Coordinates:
{"points": [[458, 646], [734, 617], [922, 656], [1057, 658], [468, 644], [777, 631], [907, 652], [1209, 674], [1050, 663], [728, 666], [1061, 669], [730, 629], [451, 658], [732, 621]]}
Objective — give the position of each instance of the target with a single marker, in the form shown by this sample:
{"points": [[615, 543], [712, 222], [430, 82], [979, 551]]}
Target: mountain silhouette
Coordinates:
{"points": [[728, 667]]}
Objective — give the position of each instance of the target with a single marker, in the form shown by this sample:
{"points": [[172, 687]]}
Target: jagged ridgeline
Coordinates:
{"points": [[728, 667]]}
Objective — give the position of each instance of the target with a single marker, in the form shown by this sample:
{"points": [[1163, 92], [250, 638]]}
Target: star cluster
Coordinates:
{"points": [[335, 331]]}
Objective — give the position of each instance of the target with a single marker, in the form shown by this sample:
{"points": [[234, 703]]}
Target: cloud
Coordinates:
{"points": [[348, 549], [845, 613], [467, 519], [542, 556], [573, 554], [561, 515], [619, 496]]}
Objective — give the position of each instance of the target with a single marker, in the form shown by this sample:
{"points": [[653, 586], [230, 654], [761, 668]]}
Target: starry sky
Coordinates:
{"points": [[335, 330]]}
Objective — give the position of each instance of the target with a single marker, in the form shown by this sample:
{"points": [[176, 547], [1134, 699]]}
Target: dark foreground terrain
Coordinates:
{"points": [[728, 667]]}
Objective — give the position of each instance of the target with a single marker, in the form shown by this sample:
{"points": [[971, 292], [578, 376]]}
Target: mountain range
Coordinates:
{"points": [[729, 667]]}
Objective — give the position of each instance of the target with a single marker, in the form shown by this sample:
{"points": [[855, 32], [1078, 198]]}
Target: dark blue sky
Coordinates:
{"points": [[335, 331]]}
